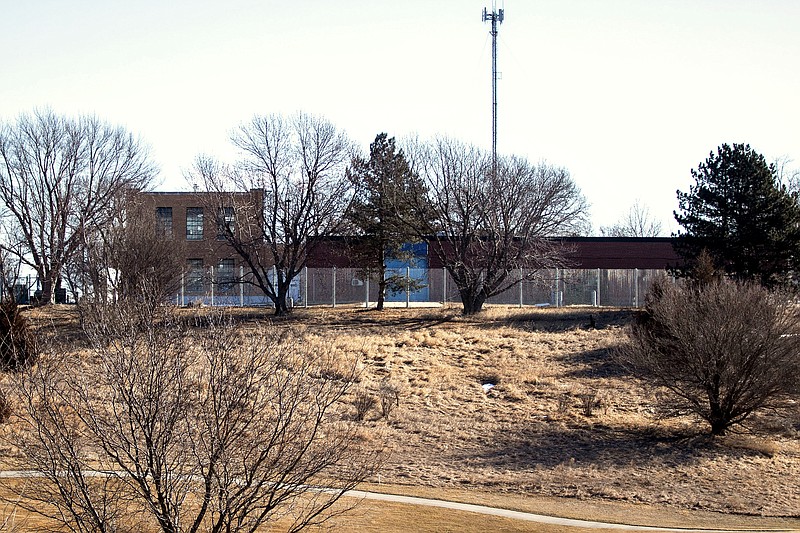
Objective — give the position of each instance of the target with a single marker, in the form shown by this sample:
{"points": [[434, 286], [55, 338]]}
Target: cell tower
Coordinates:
{"points": [[496, 18]]}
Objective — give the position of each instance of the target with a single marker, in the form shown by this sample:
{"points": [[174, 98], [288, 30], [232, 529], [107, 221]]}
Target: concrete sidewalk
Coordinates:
{"points": [[472, 508], [542, 519]]}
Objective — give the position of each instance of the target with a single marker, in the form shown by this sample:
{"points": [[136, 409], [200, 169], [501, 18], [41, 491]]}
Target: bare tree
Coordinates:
{"points": [[638, 222], [188, 427], [486, 225], [10, 267], [126, 252], [58, 180], [299, 163], [722, 349], [787, 173]]}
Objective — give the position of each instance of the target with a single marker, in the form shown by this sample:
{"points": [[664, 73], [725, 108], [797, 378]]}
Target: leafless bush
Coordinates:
{"points": [[363, 403], [197, 425], [564, 402], [589, 402], [389, 398], [140, 253], [722, 349], [6, 409], [17, 345]]}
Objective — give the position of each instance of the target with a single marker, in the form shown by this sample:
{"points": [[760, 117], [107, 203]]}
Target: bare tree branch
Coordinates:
{"points": [[637, 222], [485, 224], [298, 163], [196, 424], [59, 178]]}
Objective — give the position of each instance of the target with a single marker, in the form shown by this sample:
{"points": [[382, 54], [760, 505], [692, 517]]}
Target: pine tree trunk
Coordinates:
{"points": [[381, 285], [381, 294]]}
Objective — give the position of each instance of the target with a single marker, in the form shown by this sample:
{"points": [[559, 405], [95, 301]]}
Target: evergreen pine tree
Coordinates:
{"points": [[740, 213], [381, 213]]}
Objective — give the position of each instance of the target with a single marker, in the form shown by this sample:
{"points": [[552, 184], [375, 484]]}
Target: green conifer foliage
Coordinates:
{"points": [[740, 213]]}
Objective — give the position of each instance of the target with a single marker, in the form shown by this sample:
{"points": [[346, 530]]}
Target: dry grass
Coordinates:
{"points": [[531, 436]]}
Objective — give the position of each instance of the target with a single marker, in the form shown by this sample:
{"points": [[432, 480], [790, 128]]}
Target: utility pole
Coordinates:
{"points": [[496, 18]]}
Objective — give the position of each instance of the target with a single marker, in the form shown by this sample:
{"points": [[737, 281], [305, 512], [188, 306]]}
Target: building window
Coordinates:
{"points": [[226, 274], [194, 223], [225, 222], [194, 276], [164, 221]]}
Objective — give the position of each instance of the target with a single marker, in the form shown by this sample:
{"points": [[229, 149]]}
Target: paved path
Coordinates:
{"points": [[532, 517], [482, 509]]}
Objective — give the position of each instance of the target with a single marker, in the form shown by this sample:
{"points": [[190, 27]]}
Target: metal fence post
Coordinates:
{"points": [[212, 285], [408, 287], [521, 277], [558, 289], [241, 286], [366, 290], [444, 287], [334, 286], [598, 287], [183, 293], [636, 287], [305, 287]]}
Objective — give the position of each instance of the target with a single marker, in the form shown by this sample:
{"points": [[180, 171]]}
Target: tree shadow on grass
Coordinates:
{"points": [[360, 318], [596, 363], [559, 319], [550, 445]]}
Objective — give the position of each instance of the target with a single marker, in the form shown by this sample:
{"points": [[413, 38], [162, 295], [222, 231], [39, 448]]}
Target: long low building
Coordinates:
{"points": [[598, 269], [622, 252], [655, 253]]}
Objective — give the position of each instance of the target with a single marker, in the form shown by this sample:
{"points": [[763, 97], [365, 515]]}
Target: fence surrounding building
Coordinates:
{"points": [[348, 286]]}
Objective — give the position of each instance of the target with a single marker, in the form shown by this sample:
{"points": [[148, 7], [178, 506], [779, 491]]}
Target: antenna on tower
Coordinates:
{"points": [[496, 18]]}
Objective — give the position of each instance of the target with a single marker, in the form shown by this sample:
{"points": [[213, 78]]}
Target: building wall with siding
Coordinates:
{"points": [[581, 252]]}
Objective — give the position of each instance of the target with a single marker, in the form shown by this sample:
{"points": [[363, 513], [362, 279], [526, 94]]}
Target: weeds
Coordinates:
{"points": [[589, 402], [389, 398], [17, 347], [364, 402], [6, 410], [564, 402]]}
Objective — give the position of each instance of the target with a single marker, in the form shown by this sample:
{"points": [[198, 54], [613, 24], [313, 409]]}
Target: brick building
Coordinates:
{"points": [[196, 221]]}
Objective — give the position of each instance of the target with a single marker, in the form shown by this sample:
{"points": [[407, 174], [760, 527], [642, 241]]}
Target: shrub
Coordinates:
{"points": [[363, 402], [589, 401], [389, 398], [6, 410], [178, 411], [17, 347], [722, 349], [564, 402]]}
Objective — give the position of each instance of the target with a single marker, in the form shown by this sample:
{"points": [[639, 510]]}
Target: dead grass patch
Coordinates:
{"points": [[530, 436]]}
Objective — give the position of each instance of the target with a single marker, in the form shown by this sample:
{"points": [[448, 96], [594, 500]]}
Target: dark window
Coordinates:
{"points": [[194, 276], [164, 221], [226, 274], [225, 222], [194, 223]]}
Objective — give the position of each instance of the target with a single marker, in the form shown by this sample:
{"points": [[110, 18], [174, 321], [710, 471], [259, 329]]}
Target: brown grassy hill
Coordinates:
{"points": [[561, 420]]}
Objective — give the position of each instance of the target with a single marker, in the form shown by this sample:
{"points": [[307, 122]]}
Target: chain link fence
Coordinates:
{"points": [[349, 286]]}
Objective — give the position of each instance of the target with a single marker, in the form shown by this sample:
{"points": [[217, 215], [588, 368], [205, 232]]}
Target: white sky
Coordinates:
{"points": [[627, 94]]}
